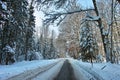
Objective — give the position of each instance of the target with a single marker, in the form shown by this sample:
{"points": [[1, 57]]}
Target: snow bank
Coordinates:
{"points": [[107, 71], [7, 71], [80, 73], [7, 48]]}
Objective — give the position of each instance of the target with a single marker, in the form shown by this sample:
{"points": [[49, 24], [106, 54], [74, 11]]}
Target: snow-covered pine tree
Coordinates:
{"points": [[88, 42], [3, 21], [20, 14], [39, 44], [14, 30], [52, 47], [46, 45], [30, 31], [7, 38]]}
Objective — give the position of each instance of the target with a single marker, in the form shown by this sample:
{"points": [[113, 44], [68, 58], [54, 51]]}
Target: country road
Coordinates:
{"points": [[64, 69]]}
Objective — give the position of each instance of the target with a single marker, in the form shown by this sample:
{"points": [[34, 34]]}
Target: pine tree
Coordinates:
{"points": [[3, 21], [20, 14], [88, 42], [52, 48], [7, 37], [30, 31], [15, 28], [45, 32], [40, 44]]}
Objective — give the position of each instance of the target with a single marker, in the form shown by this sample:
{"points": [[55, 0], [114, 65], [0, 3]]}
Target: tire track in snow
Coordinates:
{"points": [[51, 73], [30, 74]]}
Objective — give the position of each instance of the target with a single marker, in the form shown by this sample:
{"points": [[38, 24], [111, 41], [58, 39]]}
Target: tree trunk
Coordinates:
{"points": [[112, 56], [101, 31], [26, 47]]}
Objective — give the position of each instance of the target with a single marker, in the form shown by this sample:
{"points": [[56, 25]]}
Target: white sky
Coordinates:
{"points": [[86, 3], [38, 19]]}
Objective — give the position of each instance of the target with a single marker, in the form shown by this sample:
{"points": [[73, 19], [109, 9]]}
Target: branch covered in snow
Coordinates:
{"points": [[65, 13], [92, 18], [55, 16], [7, 48]]}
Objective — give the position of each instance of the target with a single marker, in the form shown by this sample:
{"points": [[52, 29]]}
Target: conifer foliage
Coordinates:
{"points": [[88, 44], [17, 25]]}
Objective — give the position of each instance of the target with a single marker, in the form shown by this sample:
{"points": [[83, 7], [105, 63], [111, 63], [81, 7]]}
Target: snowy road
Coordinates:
{"points": [[36, 74], [51, 73], [60, 69]]}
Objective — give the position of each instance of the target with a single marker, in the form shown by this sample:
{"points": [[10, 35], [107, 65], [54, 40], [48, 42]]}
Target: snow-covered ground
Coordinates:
{"points": [[7, 71], [51, 73], [104, 71], [82, 70]]}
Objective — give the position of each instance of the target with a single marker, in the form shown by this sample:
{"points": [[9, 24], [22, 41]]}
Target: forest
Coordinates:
{"points": [[89, 33]]}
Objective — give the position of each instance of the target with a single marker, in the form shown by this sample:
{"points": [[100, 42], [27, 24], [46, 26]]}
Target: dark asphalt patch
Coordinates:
{"points": [[66, 72]]}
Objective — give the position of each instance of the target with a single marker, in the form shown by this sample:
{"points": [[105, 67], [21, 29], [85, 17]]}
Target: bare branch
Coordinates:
{"points": [[52, 17], [61, 20], [65, 13]]}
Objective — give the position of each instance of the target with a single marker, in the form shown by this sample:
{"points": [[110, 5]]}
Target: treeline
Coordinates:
{"points": [[17, 33], [100, 30], [46, 43], [17, 24]]}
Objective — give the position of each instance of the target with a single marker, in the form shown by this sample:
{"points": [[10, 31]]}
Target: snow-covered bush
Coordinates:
{"points": [[34, 55], [100, 58], [8, 55]]}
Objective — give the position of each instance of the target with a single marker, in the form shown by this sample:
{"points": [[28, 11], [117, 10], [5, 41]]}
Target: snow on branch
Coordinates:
{"points": [[52, 17], [92, 18], [9, 49], [65, 13]]}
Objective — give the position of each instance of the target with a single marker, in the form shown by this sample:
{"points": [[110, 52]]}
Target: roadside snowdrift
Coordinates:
{"points": [[7, 71], [104, 71]]}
